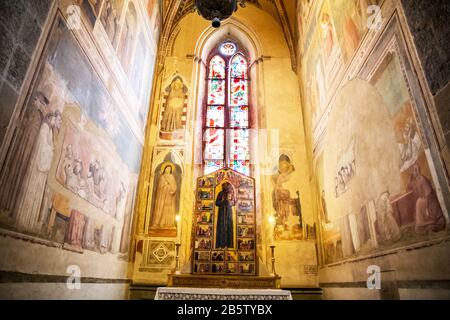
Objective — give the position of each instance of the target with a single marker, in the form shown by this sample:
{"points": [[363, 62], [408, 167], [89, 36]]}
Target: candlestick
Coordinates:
{"points": [[272, 222], [177, 258], [177, 223], [272, 247], [177, 245]]}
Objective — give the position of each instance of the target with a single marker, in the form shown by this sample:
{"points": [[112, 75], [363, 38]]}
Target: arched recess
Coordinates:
{"points": [[234, 30], [176, 158]]}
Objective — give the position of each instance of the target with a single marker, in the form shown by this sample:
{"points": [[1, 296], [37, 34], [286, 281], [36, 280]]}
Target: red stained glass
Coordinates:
{"points": [[238, 67], [239, 145], [227, 113], [239, 93], [242, 166], [217, 68], [214, 142], [215, 116], [216, 92], [239, 117]]}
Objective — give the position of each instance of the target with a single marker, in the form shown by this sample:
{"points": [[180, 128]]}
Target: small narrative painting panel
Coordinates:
{"points": [[225, 229]]}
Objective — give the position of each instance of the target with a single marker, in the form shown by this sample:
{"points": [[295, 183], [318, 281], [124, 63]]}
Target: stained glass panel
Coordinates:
{"points": [[238, 67], [216, 92], [242, 166], [239, 117], [214, 142], [239, 146], [228, 48], [217, 68], [218, 124], [239, 93], [215, 116], [213, 165]]}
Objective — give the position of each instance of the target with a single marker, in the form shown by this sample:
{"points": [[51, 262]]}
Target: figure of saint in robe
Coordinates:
{"points": [[165, 201], [74, 235], [428, 215], [174, 107], [32, 195], [21, 154], [225, 201], [281, 197]]}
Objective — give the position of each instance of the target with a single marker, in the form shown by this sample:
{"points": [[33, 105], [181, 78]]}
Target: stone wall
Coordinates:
{"points": [[21, 24], [428, 23]]}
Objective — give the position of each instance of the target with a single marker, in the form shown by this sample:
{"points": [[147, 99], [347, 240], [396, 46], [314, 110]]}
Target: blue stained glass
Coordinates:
{"points": [[239, 117], [238, 92], [212, 165], [241, 166], [216, 92], [238, 67]]}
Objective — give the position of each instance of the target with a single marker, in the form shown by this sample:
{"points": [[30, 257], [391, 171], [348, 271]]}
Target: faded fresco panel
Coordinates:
{"points": [[72, 169], [378, 189], [86, 88], [166, 193], [110, 19]]}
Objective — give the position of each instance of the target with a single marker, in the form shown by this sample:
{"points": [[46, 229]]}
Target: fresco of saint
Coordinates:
{"points": [[225, 201], [165, 203]]}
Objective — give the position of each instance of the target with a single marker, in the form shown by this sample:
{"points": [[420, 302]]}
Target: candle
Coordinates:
{"points": [[177, 222], [272, 221]]}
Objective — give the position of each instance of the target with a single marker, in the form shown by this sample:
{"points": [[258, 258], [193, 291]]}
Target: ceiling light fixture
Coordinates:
{"points": [[217, 10]]}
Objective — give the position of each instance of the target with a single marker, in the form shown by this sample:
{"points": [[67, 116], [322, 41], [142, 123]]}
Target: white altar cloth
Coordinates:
{"points": [[165, 293]]}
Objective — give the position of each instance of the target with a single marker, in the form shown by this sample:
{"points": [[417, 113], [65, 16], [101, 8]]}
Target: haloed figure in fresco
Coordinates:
{"points": [[29, 204], [164, 212], [225, 202], [429, 216]]}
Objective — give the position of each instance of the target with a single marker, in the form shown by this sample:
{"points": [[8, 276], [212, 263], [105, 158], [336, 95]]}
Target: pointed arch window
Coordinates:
{"points": [[226, 115]]}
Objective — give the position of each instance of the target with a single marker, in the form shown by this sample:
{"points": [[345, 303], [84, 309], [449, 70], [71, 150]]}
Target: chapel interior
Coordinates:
{"points": [[161, 149]]}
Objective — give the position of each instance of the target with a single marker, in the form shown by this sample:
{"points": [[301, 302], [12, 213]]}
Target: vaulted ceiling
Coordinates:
{"points": [[283, 11]]}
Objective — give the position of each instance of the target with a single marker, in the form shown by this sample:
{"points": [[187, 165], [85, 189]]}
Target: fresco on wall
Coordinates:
{"points": [[91, 173], [73, 168], [91, 8], [331, 35], [110, 19], [388, 198], [154, 13], [174, 111], [166, 198], [132, 52], [351, 19], [128, 37], [289, 223], [141, 82]]}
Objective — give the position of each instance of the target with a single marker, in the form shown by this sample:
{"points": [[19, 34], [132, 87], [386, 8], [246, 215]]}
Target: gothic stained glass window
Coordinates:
{"points": [[215, 116], [228, 48], [238, 67], [238, 90], [216, 92], [217, 68], [226, 119], [214, 139], [239, 117]]}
